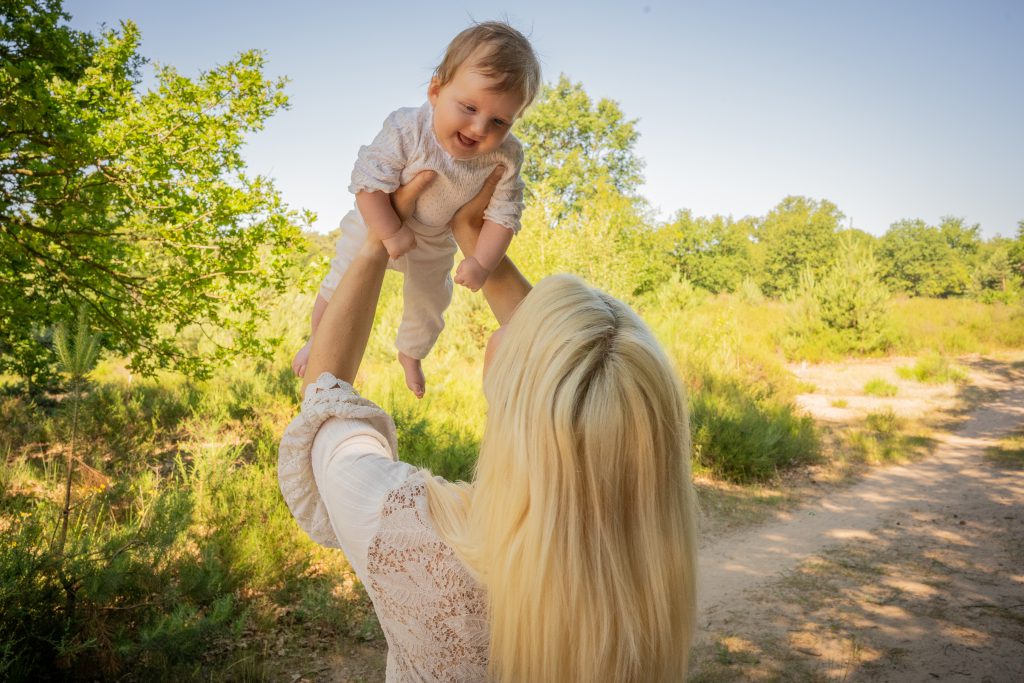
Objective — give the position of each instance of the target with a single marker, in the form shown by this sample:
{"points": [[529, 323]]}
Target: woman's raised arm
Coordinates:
{"points": [[506, 286]]}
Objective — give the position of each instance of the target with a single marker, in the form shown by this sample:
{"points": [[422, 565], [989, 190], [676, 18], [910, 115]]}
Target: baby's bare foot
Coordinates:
{"points": [[414, 378]]}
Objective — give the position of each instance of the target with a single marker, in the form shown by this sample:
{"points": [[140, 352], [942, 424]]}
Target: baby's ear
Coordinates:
{"points": [[433, 90]]}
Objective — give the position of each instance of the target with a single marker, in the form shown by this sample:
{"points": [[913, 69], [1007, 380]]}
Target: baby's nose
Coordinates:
{"points": [[479, 128]]}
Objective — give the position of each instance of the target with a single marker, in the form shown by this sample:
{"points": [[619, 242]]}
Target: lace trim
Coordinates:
{"points": [[431, 609], [325, 398]]}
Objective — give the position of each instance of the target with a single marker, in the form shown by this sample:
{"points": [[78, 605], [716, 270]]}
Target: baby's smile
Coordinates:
{"points": [[467, 142]]}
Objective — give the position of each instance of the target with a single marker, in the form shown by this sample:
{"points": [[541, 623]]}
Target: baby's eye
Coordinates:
{"points": [[470, 108], [501, 123]]}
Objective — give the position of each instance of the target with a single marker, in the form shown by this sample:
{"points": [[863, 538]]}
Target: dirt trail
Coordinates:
{"points": [[954, 500]]}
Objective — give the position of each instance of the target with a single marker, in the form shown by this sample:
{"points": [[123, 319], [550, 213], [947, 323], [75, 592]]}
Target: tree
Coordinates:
{"points": [[918, 260], [609, 243], [572, 146], [963, 239], [992, 275], [846, 309], [798, 234], [713, 253], [134, 204], [1016, 251]]}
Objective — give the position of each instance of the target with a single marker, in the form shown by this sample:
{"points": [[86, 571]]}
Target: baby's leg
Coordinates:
{"points": [[427, 292]]}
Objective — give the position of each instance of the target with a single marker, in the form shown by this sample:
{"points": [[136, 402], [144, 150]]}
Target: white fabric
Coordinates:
{"points": [[354, 472], [427, 285], [325, 398], [341, 481], [407, 145]]}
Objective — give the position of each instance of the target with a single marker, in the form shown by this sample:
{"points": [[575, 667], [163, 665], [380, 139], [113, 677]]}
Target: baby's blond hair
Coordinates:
{"points": [[498, 51]]}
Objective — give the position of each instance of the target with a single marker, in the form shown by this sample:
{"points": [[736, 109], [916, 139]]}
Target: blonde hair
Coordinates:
{"points": [[580, 523], [504, 54]]}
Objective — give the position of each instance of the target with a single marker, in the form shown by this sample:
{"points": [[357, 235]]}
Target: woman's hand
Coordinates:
{"points": [[468, 220], [404, 198], [505, 287]]}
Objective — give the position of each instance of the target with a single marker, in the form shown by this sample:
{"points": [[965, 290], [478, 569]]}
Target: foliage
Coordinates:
{"points": [[77, 356], [714, 253], [573, 145], [1016, 251], [799, 234], [880, 387], [739, 437], [136, 205], [178, 544], [885, 438], [744, 422], [917, 259], [847, 306], [609, 243], [992, 276], [933, 369]]}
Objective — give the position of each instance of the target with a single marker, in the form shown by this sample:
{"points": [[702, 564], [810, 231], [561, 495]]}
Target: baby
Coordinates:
{"points": [[488, 76]]}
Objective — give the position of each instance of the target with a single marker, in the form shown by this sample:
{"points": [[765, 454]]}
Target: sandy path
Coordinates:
{"points": [[953, 501]]}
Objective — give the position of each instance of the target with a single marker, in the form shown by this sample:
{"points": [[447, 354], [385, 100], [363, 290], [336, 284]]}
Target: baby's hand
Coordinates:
{"points": [[471, 274], [301, 359], [401, 242]]}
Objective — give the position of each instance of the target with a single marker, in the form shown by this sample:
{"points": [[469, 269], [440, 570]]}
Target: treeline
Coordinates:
{"points": [[800, 234], [581, 164], [138, 207]]}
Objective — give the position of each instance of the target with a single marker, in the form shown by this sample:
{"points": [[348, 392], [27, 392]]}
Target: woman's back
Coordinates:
{"points": [[580, 521], [431, 609]]}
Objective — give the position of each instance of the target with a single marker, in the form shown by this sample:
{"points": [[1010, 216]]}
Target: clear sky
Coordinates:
{"points": [[893, 109]]}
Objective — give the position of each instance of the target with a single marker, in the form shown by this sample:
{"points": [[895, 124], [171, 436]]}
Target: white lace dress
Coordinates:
{"points": [[339, 475]]}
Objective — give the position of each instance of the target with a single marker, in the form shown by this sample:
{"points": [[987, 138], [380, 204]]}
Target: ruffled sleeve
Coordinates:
{"points": [[506, 207], [379, 165], [326, 398]]}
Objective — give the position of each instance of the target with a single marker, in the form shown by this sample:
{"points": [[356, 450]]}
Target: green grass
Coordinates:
{"points": [[933, 369], [880, 387], [1009, 452], [957, 326], [181, 547], [885, 437]]}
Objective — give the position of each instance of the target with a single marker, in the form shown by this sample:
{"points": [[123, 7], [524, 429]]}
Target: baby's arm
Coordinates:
{"points": [[490, 249], [384, 223]]}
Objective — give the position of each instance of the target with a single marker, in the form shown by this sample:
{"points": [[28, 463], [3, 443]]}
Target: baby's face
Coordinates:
{"points": [[470, 119]]}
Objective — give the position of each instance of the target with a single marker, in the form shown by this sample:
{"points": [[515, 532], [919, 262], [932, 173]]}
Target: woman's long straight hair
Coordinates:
{"points": [[580, 522]]}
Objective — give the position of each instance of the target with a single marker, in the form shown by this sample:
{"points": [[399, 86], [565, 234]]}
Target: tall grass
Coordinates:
{"points": [[181, 545]]}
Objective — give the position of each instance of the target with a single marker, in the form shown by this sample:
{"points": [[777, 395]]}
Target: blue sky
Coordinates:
{"points": [[898, 109]]}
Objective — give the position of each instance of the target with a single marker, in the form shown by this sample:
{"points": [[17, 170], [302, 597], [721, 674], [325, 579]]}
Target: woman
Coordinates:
{"points": [[571, 556]]}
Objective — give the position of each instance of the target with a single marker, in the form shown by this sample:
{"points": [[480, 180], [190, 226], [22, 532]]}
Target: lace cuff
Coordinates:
{"points": [[325, 398]]}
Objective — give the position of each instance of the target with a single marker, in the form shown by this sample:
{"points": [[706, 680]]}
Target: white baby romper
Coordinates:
{"points": [[405, 146]]}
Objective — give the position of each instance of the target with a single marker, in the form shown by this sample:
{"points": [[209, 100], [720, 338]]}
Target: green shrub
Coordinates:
{"points": [[885, 438], [880, 387], [933, 369], [739, 438], [845, 310]]}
